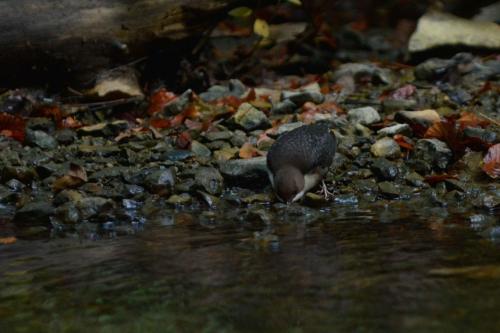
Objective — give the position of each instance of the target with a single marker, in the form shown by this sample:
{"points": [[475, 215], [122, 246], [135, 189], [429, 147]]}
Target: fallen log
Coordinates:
{"points": [[72, 39]]}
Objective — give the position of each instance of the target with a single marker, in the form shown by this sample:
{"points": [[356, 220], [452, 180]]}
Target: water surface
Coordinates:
{"points": [[338, 269]]}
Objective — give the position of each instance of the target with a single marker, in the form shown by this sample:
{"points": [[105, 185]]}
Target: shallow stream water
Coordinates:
{"points": [[335, 269]]}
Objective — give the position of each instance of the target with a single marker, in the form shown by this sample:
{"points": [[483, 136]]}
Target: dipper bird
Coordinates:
{"points": [[299, 159]]}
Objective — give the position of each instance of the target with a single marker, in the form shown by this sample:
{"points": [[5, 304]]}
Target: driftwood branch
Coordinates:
{"points": [[75, 37]]}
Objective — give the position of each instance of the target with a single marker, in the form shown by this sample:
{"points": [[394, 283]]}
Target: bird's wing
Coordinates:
{"points": [[307, 148]]}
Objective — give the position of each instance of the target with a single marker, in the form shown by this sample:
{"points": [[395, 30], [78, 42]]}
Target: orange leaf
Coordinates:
{"points": [[159, 99], [8, 240], [469, 119], [492, 162], [70, 122], [248, 151]]}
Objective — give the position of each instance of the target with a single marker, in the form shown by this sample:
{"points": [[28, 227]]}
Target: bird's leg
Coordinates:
{"points": [[324, 191]]}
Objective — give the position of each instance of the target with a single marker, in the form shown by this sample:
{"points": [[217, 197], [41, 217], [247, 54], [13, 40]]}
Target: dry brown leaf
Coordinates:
{"points": [[77, 171]]}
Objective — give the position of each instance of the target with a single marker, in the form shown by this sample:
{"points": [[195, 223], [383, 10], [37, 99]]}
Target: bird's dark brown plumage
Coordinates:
{"points": [[306, 148], [299, 159]]}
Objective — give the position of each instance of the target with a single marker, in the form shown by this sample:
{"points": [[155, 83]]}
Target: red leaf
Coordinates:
{"points": [[402, 142], [184, 140], [160, 123], [50, 111], [434, 179], [159, 99], [492, 162], [12, 126]]}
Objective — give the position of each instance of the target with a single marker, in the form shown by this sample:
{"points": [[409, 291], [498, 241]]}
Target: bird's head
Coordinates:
{"points": [[289, 184]]}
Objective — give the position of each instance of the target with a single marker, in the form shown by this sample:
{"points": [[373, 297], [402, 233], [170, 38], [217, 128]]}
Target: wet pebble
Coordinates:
{"points": [[209, 179], [34, 213], [386, 147], [250, 118], [396, 129], [179, 199], [434, 152], [366, 115], [253, 170], [92, 206], [384, 169], [423, 117], [389, 190], [40, 139]]}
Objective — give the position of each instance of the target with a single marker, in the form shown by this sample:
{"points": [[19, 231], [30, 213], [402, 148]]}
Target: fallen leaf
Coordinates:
{"points": [[75, 177], [77, 171], [492, 162], [160, 123], [261, 28], [12, 126], [240, 12], [403, 141], [65, 182], [248, 151], [159, 99], [183, 140], [434, 179], [50, 111], [70, 122], [8, 240], [469, 119]]}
